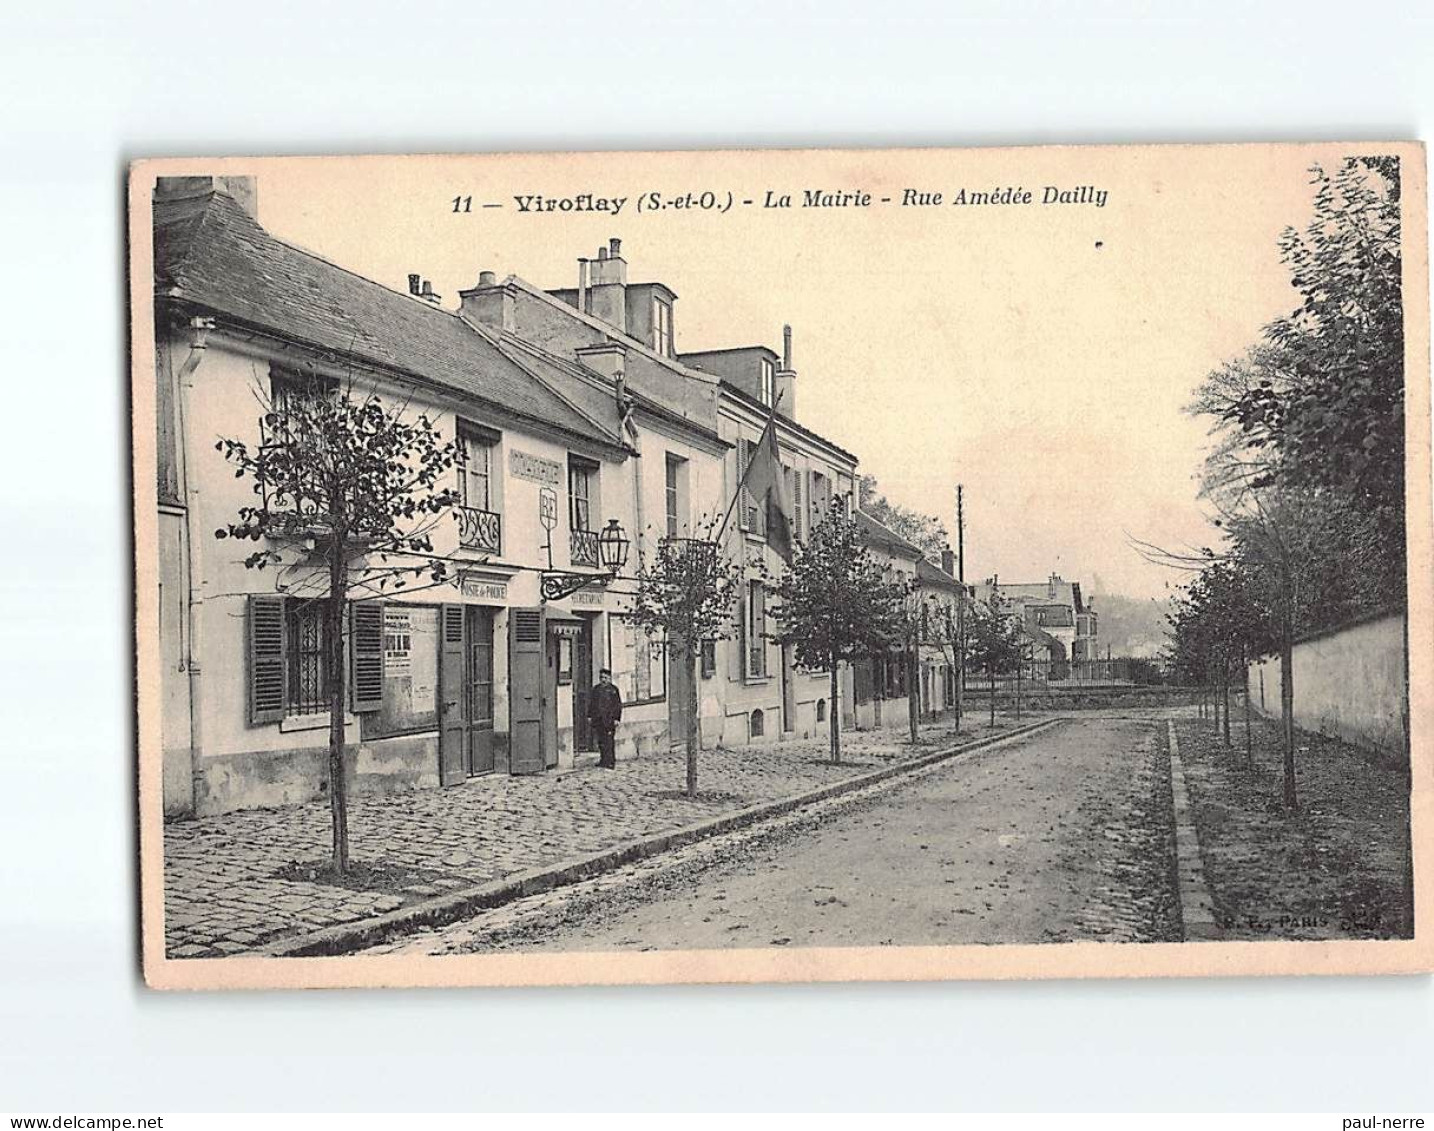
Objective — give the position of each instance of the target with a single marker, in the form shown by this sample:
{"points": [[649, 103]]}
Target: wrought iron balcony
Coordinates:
{"points": [[678, 547], [479, 529], [583, 548]]}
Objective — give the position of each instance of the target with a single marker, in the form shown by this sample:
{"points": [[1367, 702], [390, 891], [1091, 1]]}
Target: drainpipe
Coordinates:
{"points": [[199, 330]]}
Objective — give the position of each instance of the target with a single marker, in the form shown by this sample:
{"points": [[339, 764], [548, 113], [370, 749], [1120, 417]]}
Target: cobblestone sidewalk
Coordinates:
{"points": [[237, 882]]}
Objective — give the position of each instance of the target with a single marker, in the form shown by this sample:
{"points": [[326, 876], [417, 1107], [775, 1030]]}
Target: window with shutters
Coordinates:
{"points": [[769, 381], [709, 658]]}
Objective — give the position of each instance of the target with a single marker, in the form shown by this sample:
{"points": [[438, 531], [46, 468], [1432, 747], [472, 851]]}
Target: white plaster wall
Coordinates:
{"points": [[1350, 684]]}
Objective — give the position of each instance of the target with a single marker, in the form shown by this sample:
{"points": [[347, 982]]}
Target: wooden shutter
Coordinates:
{"points": [[452, 718], [798, 525], [759, 628], [268, 660], [744, 460], [366, 654], [525, 701], [737, 646]]}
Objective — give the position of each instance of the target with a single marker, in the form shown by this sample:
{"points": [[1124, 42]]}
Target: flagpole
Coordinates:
{"points": [[742, 479]]}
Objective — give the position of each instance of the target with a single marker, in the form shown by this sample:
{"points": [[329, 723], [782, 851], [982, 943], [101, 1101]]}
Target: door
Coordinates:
{"points": [[526, 673], [478, 678], [550, 701], [679, 684], [789, 691], [583, 687], [452, 722]]}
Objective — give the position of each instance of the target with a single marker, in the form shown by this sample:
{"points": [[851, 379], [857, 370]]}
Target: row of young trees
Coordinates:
{"points": [[1305, 474]]}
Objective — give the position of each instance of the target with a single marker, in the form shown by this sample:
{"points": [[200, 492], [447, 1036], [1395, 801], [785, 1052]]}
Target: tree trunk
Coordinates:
{"points": [[694, 724], [1249, 742], [1225, 699], [913, 692], [1287, 706], [834, 714], [338, 786], [991, 675]]}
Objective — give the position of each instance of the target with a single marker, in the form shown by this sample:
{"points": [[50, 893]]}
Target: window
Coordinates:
{"points": [[475, 469], [821, 710], [798, 523], [662, 327], [755, 627], [580, 476], [674, 500], [308, 660], [709, 658], [758, 723], [769, 381], [753, 517]]}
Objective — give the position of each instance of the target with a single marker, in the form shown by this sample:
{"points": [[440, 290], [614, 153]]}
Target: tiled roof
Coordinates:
{"points": [[210, 252], [875, 532], [930, 574]]}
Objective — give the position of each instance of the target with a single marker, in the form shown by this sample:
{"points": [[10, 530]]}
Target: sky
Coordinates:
{"points": [[1041, 355]]}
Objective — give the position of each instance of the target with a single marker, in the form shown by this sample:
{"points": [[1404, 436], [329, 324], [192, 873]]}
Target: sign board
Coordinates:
{"points": [[484, 589], [397, 641], [548, 508], [588, 597], [536, 469]]}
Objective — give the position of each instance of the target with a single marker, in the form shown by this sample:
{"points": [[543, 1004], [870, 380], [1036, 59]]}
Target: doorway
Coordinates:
{"points": [[465, 737], [583, 686]]}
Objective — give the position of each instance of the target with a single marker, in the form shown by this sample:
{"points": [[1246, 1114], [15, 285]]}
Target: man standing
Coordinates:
{"points": [[605, 712]]}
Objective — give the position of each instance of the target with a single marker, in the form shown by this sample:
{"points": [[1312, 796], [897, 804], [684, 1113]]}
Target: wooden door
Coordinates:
{"points": [[452, 722], [583, 687], [479, 689], [527, 672]]}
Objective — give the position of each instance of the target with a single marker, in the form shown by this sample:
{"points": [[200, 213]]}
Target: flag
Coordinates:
{"points": [[767, 481]]}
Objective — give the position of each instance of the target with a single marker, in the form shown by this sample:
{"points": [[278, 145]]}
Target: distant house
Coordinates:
{"points": [[1059, 627]]}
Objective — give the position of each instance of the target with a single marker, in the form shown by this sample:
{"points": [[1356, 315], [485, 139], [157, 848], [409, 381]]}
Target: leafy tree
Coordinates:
{"points": [[684, 596], [993, 636], [356, 479], [1330, 405], [834, 604], [921, 530]]}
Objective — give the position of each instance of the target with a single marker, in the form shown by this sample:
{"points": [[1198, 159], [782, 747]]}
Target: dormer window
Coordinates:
{"points": [[662, 327], [769, 381]]}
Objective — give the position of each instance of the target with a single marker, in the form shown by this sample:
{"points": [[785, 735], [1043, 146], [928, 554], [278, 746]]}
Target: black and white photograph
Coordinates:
{"points": [[781, 566]]}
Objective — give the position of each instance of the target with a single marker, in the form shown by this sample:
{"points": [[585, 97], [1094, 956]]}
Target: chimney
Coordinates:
{"points": [[428, 294], [490, 304], [787, 379], [948, 561], [413, 287], [243, 190], [607, 291], [582, 284]]}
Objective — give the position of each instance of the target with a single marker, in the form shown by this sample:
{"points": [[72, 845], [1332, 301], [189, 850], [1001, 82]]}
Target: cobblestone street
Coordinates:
{"points": [[239, 881], [1061, 836]]}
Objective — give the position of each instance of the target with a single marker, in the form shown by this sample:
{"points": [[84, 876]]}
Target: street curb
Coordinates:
{"points": [[454, 905], [1197, 908]]}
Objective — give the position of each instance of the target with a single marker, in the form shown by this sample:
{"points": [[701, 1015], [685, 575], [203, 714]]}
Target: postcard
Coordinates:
{"points": [[742, 566]]}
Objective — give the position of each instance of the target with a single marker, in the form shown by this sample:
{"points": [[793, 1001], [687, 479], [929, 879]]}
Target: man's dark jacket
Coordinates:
{"points": [[605, 706]]}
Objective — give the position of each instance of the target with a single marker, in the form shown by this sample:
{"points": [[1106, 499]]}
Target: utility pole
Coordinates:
{"points": [[961, 603]]}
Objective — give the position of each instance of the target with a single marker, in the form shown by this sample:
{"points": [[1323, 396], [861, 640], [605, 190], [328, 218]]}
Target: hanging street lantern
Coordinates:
{"points": [[613, 547]]}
